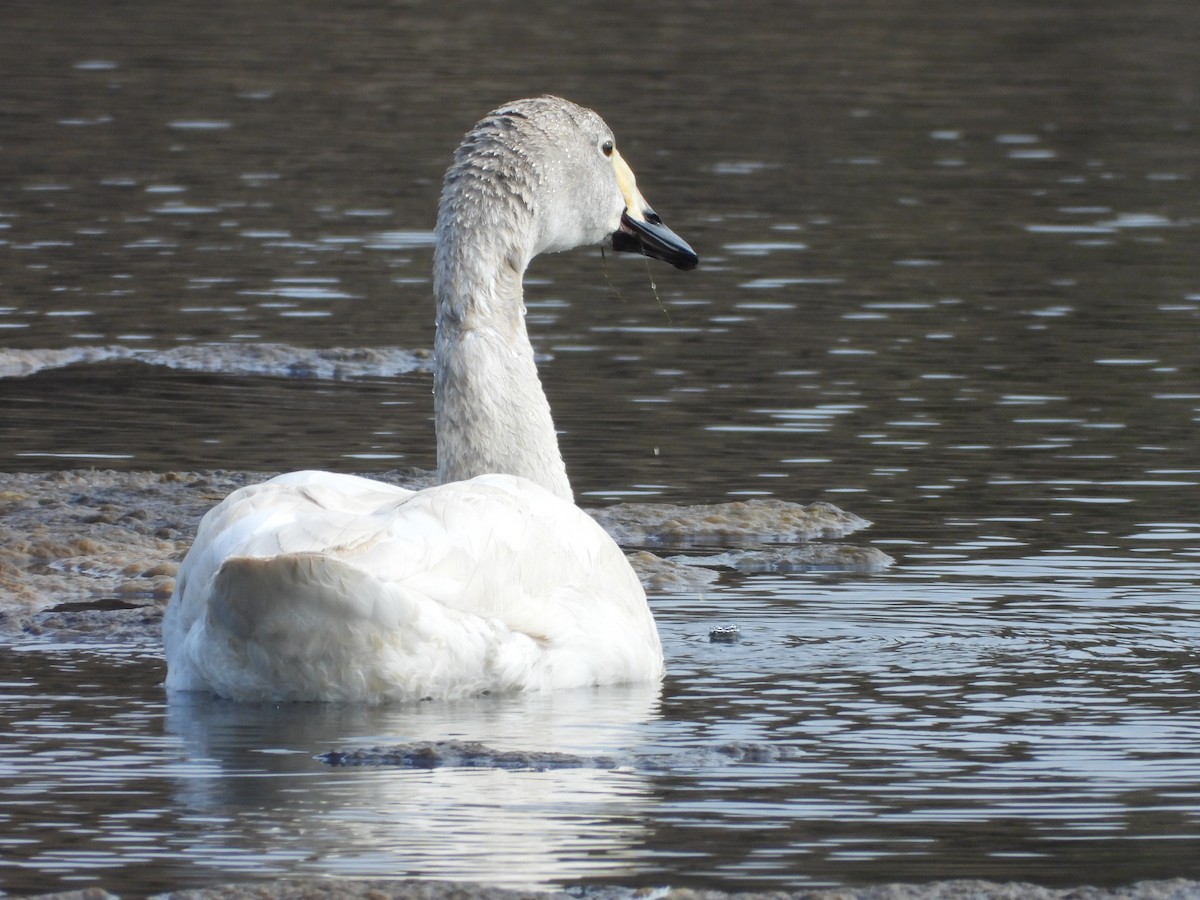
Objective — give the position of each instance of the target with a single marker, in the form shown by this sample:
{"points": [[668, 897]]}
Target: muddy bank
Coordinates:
{"points": [[477, 755], [90, 552], [1175, 889]]}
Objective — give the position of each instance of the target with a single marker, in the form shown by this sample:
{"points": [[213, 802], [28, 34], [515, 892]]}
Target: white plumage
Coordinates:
{"points": [[320, 586]]}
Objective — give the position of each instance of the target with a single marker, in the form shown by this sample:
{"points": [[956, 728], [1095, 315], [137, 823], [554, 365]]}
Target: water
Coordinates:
{"points": [[948, 283]]}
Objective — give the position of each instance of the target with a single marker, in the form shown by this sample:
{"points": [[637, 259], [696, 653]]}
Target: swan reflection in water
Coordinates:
{"points": [[250, 773]]}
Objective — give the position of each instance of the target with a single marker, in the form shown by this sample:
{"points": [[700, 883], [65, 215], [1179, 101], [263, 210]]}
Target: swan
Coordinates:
{"points": [[317, 586]]}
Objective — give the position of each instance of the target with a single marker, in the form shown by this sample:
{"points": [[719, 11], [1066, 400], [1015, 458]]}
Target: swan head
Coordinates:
{"points": [[550, 175]]}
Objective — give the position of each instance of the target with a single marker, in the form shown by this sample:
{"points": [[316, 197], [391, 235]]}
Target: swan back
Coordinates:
{"points": [[318, 586]]}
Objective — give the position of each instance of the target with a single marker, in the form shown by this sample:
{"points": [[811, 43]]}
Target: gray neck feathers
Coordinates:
{"points": [[490, 411]]}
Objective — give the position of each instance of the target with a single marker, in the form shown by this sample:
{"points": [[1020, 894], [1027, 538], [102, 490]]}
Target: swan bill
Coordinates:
{"points": [[650, 237], [641, 230]]}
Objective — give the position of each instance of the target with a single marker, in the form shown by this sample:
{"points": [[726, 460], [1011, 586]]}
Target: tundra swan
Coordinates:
{"points": [[327, 587]]}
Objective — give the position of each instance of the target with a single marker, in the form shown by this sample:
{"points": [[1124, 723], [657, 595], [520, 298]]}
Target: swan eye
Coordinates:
{"points": [[607, 148]]}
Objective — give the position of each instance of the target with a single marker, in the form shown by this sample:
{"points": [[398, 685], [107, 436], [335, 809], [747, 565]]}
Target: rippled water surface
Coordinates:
{"points": [[949, 282]]}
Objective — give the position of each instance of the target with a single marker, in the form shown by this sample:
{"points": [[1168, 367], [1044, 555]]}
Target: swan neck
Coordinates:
{"points": [[490, 411]]}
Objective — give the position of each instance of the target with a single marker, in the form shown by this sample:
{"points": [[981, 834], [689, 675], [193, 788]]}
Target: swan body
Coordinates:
{"points": [[330, 587]]}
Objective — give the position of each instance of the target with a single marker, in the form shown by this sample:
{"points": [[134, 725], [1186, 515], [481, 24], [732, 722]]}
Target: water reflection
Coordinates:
{"points": [[956, 715], [202, 789], [514, 828]]}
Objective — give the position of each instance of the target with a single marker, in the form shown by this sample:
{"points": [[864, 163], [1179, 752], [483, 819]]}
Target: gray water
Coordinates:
{"points": [[949, 283]]}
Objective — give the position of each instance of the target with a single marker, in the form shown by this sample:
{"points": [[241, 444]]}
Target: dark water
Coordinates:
{"points": [[949, 282]]}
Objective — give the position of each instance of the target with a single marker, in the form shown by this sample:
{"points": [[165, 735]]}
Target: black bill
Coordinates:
{"points": [[650, 237]]}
